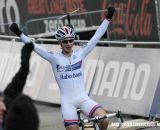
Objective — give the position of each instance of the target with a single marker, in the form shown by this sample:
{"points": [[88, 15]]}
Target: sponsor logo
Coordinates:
{"points": [[60, 68], [69, 76], [121, 79], [69, 67], [6, 15]]}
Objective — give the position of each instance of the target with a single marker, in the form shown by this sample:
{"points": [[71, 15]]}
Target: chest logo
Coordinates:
{"points": [[69, 67]]}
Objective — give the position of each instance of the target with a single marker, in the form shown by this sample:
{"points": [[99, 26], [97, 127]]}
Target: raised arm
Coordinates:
{"points": [[25, 39], [15, 87], [99, 33]]}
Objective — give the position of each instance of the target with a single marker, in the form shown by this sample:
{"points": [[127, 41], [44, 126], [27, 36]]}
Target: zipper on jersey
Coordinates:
{"points": [[70, 62]]}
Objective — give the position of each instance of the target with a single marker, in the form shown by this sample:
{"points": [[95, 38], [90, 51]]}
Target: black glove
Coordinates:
{"points": [[15, 29], [110, 13]]}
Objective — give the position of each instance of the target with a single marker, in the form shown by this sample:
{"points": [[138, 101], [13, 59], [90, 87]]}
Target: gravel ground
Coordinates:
{"points": [[50, 119]]}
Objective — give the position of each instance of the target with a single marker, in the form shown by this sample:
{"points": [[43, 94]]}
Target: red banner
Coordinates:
{"points": [[134, 19], [139, 21]]}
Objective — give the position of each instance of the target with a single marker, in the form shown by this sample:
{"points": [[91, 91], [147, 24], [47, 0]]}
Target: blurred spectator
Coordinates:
{"points": [[15, 87], [22, 115]]}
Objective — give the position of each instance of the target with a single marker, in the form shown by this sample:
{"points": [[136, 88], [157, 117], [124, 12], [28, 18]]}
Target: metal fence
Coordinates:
{"points": [[57, 21], [129, 44]]}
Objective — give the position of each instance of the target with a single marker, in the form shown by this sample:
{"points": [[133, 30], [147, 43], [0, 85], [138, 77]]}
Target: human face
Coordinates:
{"points": [[67, 45], [2, 109]]}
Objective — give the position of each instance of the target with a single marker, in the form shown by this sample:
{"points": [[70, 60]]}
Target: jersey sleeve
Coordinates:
{"points": [[38, 49], [94, 40]]}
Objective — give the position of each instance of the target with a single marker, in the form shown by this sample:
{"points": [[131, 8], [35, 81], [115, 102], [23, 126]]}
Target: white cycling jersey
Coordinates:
{"points": [[68, 71]]}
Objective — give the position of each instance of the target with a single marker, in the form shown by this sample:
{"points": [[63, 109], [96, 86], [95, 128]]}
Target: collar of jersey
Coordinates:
{"points": [[67, 56]]}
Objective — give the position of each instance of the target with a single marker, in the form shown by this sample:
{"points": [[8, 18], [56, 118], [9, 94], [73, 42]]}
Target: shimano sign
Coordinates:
{"points": [[125, 75], [126, 79]]}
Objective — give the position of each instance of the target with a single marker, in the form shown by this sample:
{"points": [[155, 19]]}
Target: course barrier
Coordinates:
{"points": [[118, 78]]}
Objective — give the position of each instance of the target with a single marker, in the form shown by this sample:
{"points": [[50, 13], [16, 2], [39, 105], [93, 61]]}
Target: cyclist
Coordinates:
{"points": [[68, 70]]}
